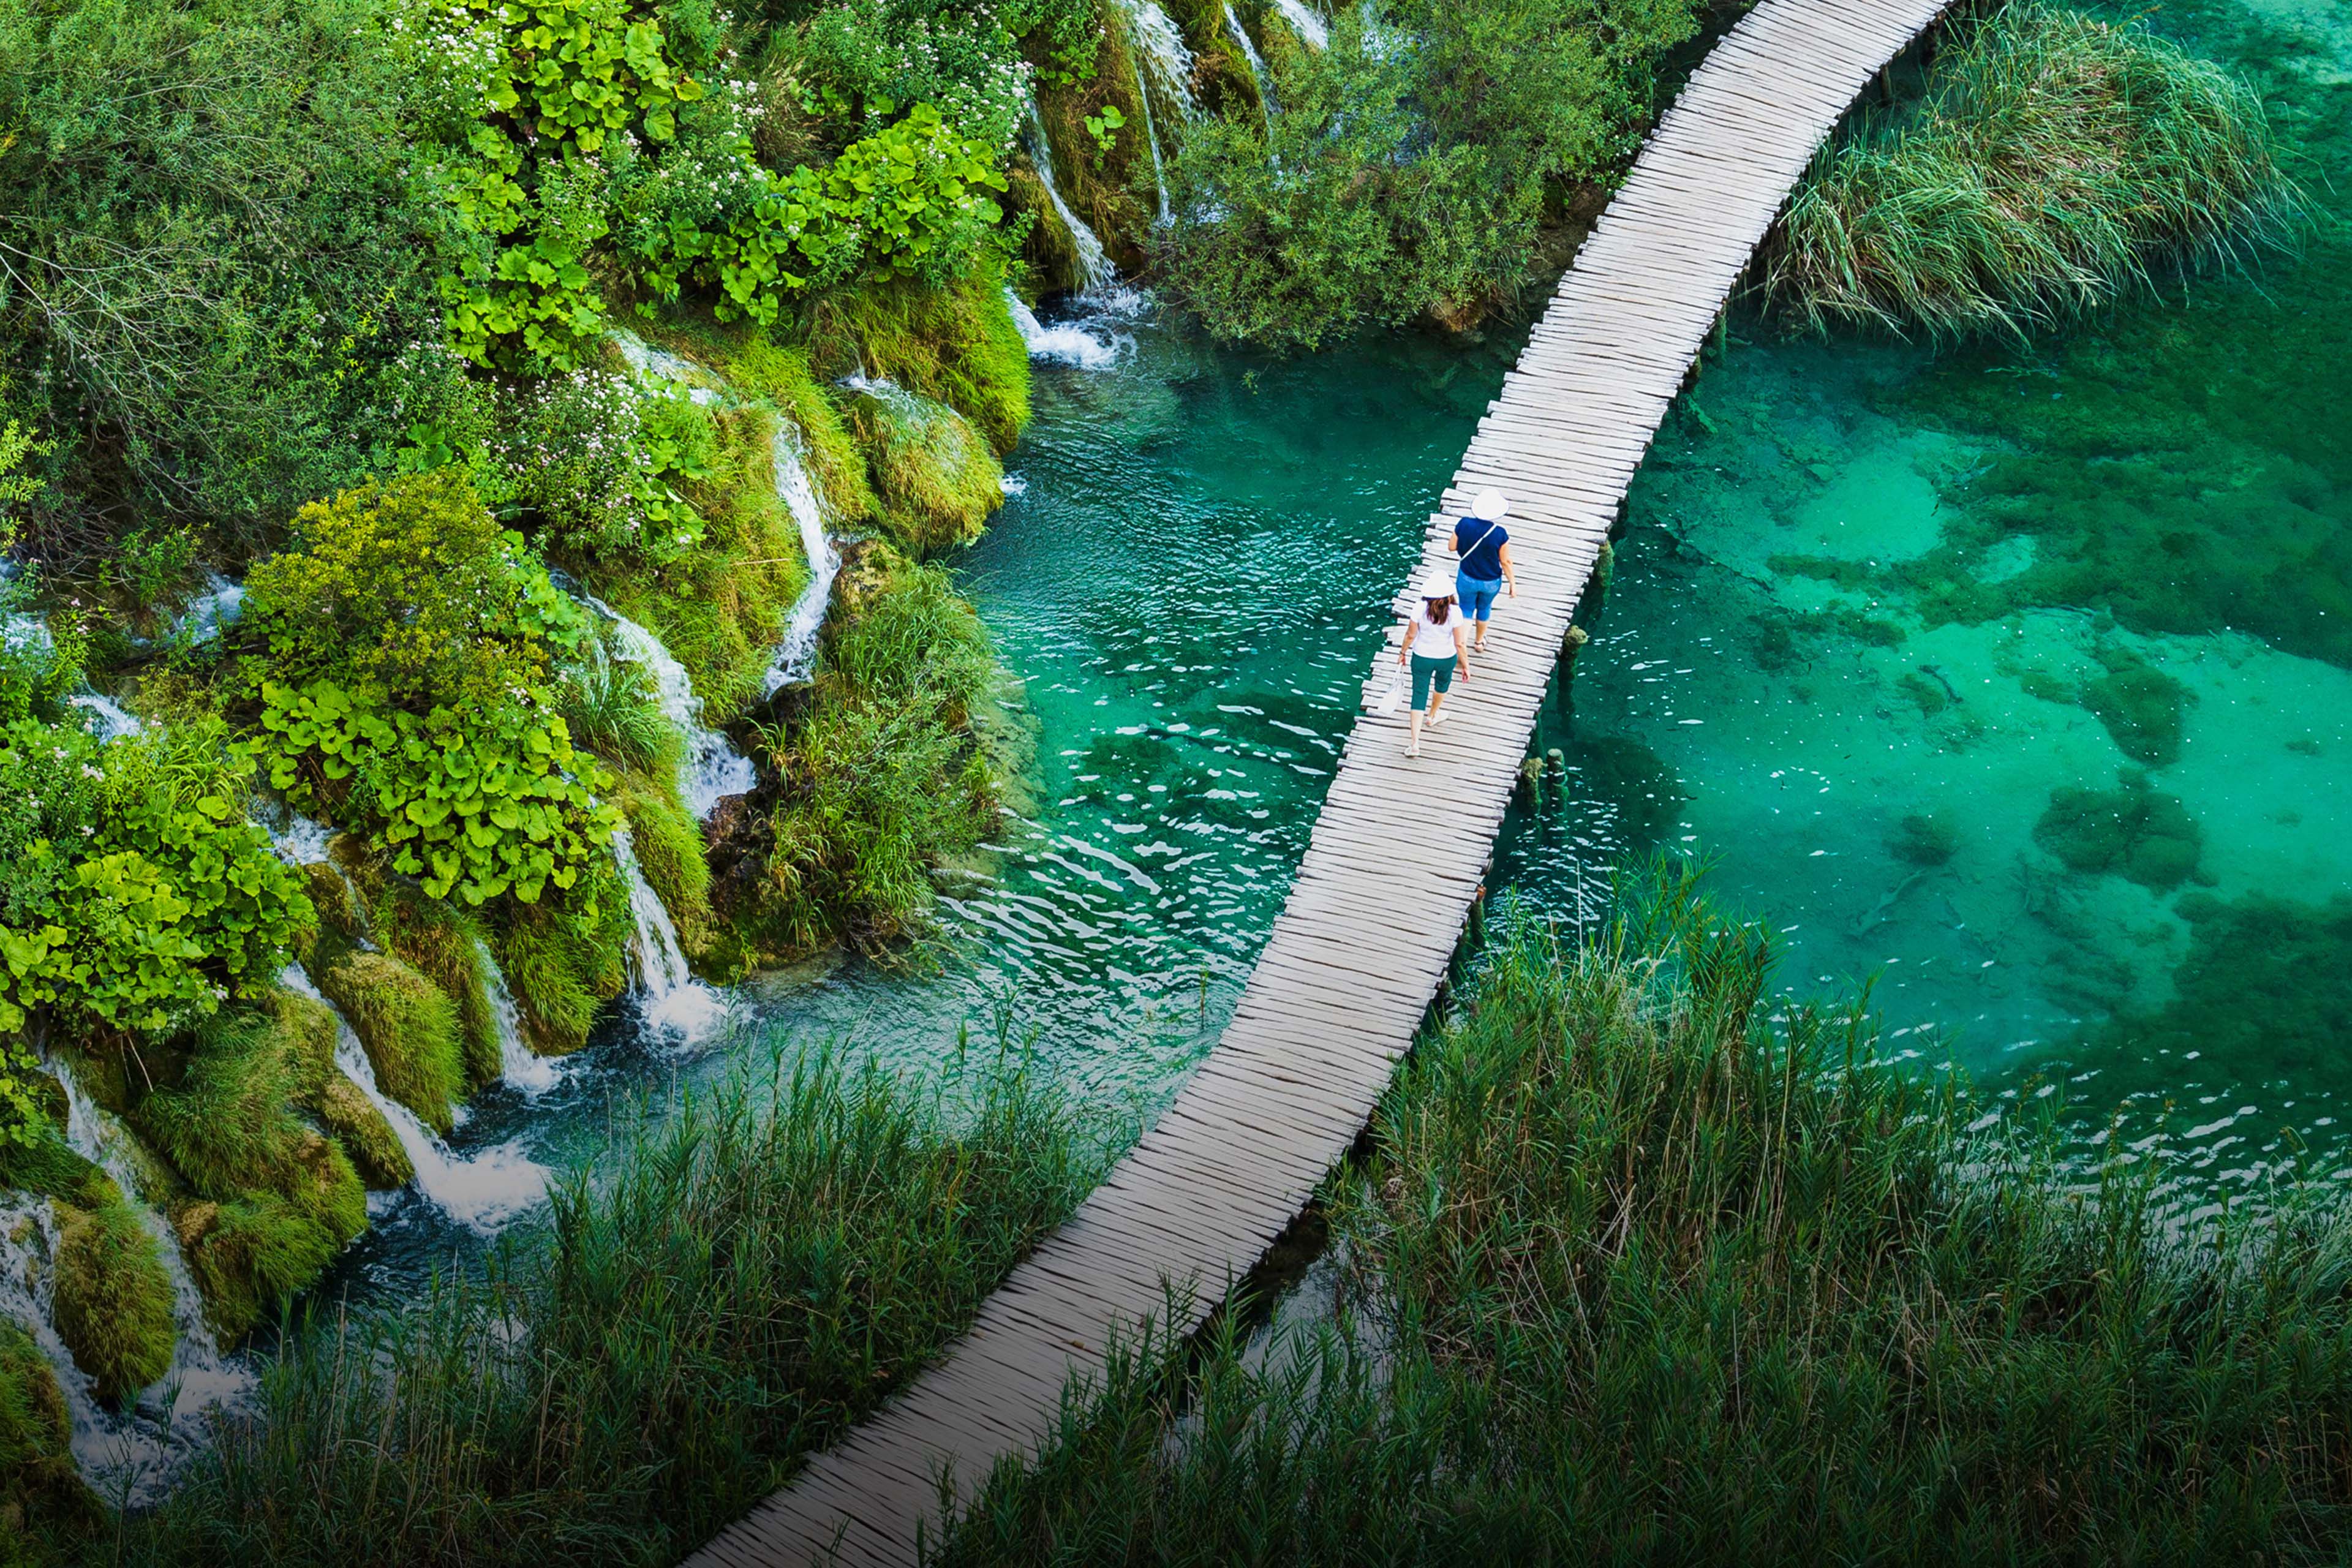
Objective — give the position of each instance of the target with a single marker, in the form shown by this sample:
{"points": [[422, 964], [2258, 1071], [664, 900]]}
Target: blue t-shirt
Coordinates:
{"points": [[1481, 544]]}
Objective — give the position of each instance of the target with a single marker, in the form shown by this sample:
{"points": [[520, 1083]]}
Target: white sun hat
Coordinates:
{"points": [[1489, 506], [1437, 586]]}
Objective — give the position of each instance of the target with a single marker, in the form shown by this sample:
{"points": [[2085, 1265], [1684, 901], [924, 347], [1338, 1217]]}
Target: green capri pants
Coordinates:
{"points": [[1428, 670]]}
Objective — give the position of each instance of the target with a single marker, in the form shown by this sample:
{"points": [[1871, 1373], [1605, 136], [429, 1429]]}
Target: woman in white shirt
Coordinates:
{"points": [[1435, 649]]}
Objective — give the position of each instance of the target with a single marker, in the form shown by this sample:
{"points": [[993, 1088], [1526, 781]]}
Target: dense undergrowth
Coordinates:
{"points": [[739, 1281], [1649, 1266]]}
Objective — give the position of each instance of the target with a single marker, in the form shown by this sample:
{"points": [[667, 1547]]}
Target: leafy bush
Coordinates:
{"points": [[2057, 157]]}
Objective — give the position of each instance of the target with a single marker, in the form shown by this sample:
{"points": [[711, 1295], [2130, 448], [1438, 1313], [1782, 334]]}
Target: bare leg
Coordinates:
{"points": [[1479, 636], [1437, 701], [1412, 747]]}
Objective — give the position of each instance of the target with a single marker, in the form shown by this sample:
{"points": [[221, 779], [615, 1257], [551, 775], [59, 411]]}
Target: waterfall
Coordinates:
{"points": [[301, 840], [200, 1376], [796, 655], [1266, 105], [647, 360], [1067, 343], [1093, 265], [1159, 45], [521, 1069], [211, 612], [107, 717], [482, 1191], [1151, 135], [1311, 28], [672, 999], [712, 769], [109, 1449]]}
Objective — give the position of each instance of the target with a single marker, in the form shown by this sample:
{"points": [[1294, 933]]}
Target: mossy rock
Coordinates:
{"points": [[955, 345], [2142, 707], [42, 1495], [252, 1254], [345, 1110], [445, 947], [2136, 831], [670, 853], [409, 1026], [782, 374], [935, 481], [563, 960], [1924, 839], [48, 1167], [111, 1300]]}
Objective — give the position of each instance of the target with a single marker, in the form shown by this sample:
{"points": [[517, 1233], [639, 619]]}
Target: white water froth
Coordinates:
{"points": [[300, 840], [796, 655], [109, 719], [647, 360], [1066, 342], [108, 1448], [1264, 78], [1094, 264], [1312, 30], [211, 612], [672, 1000], [712, 769], [484, 1191], [521, 1069]]}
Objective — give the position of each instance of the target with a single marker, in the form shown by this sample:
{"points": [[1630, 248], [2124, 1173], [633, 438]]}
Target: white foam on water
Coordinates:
{"points": [[712, 769], [109, 719], [796, 657], [484, 1191], [1095, 269], [673, 1000], [521, 1069], [1066, 342], [1312, 30], [647, 360], [300, 840], [213, 611]]}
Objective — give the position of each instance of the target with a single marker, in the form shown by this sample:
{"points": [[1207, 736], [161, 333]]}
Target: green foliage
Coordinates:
{"points": [[250, 1254], [112, 1301], [741, 1282], [597, 462], [23, 1115], [1643, 1263], [136, 894], [218, 261], [409, 1026], [953, 343], [560, 962], [783, 376], [1405, 178], [43, 1501], [37, 666], [880, 779], [2136, 831], [670, 853], [934, 478], [446, 948], [1105, 129], [609, 702], [2056, 159]]}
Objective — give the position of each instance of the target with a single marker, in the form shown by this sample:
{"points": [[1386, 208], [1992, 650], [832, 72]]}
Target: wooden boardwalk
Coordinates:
{"points": [[1401, 850]]}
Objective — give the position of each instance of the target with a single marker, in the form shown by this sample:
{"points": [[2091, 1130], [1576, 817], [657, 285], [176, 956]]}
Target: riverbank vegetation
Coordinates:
{"points": [[1646, 1260], [2054, 162]]}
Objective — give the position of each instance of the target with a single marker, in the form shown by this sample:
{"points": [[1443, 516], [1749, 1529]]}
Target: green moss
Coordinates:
{"points": [[42, 1495], [251, 1254], [935, 481], [344, 1110], [955, 345], [2140, 705], [409, 1026], [780, 374], [443, 946], [2135, 831], [561, 964], [1924, 839], [670, 853], [48, 1167], [112, 1301]]}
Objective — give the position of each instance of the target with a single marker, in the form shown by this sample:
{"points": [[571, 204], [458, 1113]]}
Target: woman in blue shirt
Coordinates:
{"points": [[1485, 551]]}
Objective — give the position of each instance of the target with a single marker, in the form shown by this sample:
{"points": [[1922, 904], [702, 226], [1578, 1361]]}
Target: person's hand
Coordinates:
{"points": [[1511, 590]]}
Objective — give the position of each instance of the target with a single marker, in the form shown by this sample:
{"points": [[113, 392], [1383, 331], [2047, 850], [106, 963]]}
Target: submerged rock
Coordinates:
{"points": [[2136, 831]]}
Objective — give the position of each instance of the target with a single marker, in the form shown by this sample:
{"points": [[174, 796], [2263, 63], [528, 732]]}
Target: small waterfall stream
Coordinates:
{"points": [[796, 657], [671, 998], [1312, 30], [1264, 78], [1094, 265], [109, 719], [712, 769], [521, 1069], [109, 1449], [483, 1191], [1161, 59], [1066, 342]]}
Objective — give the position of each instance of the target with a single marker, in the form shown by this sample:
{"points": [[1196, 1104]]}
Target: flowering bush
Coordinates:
{"points": [[599, 458]]}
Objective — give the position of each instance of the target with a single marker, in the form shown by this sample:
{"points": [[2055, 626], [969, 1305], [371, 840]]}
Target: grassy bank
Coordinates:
{"points": [[2055, 161], [1646, 1267], [744, 1278]]}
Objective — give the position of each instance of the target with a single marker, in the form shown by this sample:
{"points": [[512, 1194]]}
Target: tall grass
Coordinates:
{"points": [[1648, 1268], [733, 1288], [2055, 160]]}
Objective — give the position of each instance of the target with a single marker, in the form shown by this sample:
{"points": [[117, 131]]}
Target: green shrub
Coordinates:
{"points": [[609, 704], [2056, 158], [935, 479], [1647, 1262], [409, 1026], [111, 1303], [739, 1282], [596, 461]]}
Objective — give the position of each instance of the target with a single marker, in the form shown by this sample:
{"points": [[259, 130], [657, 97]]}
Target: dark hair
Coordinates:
{"points": [[1440, 609]]}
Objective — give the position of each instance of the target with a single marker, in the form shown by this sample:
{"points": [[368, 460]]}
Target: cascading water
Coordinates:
{"points": [[1095, 270], [110, 1450], [484, 1191], [1159, 57], [1264, 78], [211, 612], [796, 655], [1067, 342], [108, 718], [647, 360], [1312, 30], [521, 1069], [712, 769], [671, 998]]}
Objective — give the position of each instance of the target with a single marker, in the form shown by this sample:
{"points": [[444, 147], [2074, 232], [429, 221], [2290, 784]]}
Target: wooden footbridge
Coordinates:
{"points": [[1345, 979]]}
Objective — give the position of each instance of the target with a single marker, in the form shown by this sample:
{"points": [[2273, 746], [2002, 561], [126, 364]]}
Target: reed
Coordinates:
{"points": [[747, 1276], [1648, 1266], [2054, 161]]}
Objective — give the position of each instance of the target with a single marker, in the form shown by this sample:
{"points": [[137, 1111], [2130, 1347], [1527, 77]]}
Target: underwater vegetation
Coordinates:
{"points": [[1634, 1270], [1648, 794], [1924, 838], [2136, 831], [2056, 160]]}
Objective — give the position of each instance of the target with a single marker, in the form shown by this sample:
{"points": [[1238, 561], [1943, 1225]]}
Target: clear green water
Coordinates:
{"points": [[1862, 583]]}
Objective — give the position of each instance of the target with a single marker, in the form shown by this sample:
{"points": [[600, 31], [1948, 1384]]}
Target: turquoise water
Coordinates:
{"points": [[1858, 642]]}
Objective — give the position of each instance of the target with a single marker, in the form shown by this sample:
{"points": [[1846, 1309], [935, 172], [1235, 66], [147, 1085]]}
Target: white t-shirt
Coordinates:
{"points": [[1431, 640]]}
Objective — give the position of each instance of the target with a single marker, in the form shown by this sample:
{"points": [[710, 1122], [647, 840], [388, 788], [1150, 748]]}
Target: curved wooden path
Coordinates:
{"points": [[1344, 980]]}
